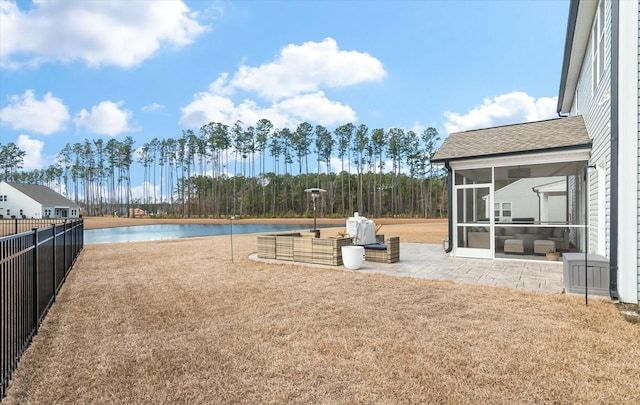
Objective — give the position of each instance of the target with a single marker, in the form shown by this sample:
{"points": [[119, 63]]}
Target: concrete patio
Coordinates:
{"points": [[429, 261]]}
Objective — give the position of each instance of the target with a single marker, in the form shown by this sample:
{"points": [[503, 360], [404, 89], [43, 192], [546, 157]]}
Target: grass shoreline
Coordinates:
{"points": [[417, 230]]}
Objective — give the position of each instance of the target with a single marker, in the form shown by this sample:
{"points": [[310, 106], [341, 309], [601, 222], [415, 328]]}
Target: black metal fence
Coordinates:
{"points": [[13, 226], [33, 267]]}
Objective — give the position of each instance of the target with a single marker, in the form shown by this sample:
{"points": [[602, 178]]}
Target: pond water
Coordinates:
{"points": [[173, 231]]}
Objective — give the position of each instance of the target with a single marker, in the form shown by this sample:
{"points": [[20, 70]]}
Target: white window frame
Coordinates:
{"points": [[501, 209]]}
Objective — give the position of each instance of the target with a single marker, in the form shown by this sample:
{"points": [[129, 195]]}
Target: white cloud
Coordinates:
{"points": [[208, 107], [221, 86], [33, 152], [120, 33], [306, 68], [317, 107], [145, 190], [289, 113], [44, 116], [292, 84], [152, 107], [106, 118], [337, 164], [510, 108]]}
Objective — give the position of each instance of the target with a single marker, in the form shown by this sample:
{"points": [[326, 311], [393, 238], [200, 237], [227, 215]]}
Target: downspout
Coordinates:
{"points": [[613, 218], [539, 203], [449, 205]]}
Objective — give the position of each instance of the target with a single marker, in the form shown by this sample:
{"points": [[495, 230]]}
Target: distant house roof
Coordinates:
{"points": [[43, 195], [554, 134]]}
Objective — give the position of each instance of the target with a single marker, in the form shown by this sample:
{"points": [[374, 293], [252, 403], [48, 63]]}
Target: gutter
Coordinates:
{"points": [[449, 205], [569, 148], [568, 48], [614, 178]]}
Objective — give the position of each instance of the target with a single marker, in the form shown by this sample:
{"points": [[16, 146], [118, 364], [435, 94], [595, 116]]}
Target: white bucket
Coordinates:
{"points": [[352, 257]]}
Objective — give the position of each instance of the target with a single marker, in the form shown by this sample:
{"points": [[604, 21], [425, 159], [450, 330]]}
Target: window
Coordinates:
{"points": [[597, 46], [502, 211]]}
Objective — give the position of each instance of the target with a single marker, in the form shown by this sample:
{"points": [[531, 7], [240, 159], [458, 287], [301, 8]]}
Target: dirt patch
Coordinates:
{"points": [[630, 312]]}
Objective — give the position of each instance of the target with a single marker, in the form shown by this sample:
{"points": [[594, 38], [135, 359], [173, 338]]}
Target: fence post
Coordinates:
{"points": [[15, 221], [64, 251], [55, 265], [36, 315]]}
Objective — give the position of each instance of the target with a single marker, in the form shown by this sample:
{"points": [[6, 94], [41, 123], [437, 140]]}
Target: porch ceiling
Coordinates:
{"points": [[550, 135]]}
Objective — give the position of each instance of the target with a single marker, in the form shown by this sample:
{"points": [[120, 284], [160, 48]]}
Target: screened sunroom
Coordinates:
{"points": [[518, 191]]}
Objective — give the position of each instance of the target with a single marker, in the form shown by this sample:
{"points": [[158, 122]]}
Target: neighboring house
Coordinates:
{"points": [[34, 201], [137, 213], [544, 201], [595, 146]]}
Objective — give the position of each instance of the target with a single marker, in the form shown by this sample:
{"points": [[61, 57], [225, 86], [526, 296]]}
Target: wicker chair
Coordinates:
{"points": [[388, 252]]}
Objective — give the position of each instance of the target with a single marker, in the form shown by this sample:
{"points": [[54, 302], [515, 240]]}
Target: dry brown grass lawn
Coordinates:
{"points": [[177, 322]]}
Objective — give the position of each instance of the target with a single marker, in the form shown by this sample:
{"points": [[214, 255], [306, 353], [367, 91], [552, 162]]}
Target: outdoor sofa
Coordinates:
{"points": [[308, 249], [305, 249], [478, 237]]}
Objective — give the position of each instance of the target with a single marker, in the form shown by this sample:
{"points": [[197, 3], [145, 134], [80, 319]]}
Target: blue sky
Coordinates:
{"points": [[75, 70]]}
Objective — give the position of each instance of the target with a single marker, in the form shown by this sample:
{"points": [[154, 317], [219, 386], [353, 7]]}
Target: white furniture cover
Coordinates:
{"points": [[362, 230]]}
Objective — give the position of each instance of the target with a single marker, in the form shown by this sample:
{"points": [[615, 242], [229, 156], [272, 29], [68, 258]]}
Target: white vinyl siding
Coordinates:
{"points": [[598, 46], [592, 99], [594, 104]]}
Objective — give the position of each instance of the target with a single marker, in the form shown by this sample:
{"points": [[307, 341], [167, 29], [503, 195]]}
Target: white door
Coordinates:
{"points": [[473, 233]]}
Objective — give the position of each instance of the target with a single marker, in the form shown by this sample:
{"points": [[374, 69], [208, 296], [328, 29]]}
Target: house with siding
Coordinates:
{"points": [[594, 145], [600, 81], [34, 201], [528, 198]]}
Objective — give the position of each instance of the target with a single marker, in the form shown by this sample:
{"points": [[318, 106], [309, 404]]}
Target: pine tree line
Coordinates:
{"points": [[221, 170]]}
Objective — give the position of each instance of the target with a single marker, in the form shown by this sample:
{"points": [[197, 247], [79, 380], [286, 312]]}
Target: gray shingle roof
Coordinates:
{"points": [[43, 195], [559, 133]]}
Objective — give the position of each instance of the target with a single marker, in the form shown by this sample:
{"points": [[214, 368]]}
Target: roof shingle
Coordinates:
{"points": [[43, 195], [558, 133]]}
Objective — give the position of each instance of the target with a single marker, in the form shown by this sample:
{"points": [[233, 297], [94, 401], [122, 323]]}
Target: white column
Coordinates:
{"points": [[628, 153], [544, 207]]}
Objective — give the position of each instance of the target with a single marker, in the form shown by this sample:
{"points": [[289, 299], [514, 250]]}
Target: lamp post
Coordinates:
{"points": [[231, 218], [315, 194], [586, 232]]}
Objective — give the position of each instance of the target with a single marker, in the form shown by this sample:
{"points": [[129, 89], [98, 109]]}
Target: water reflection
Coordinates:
{"points": [[173, 231]]}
